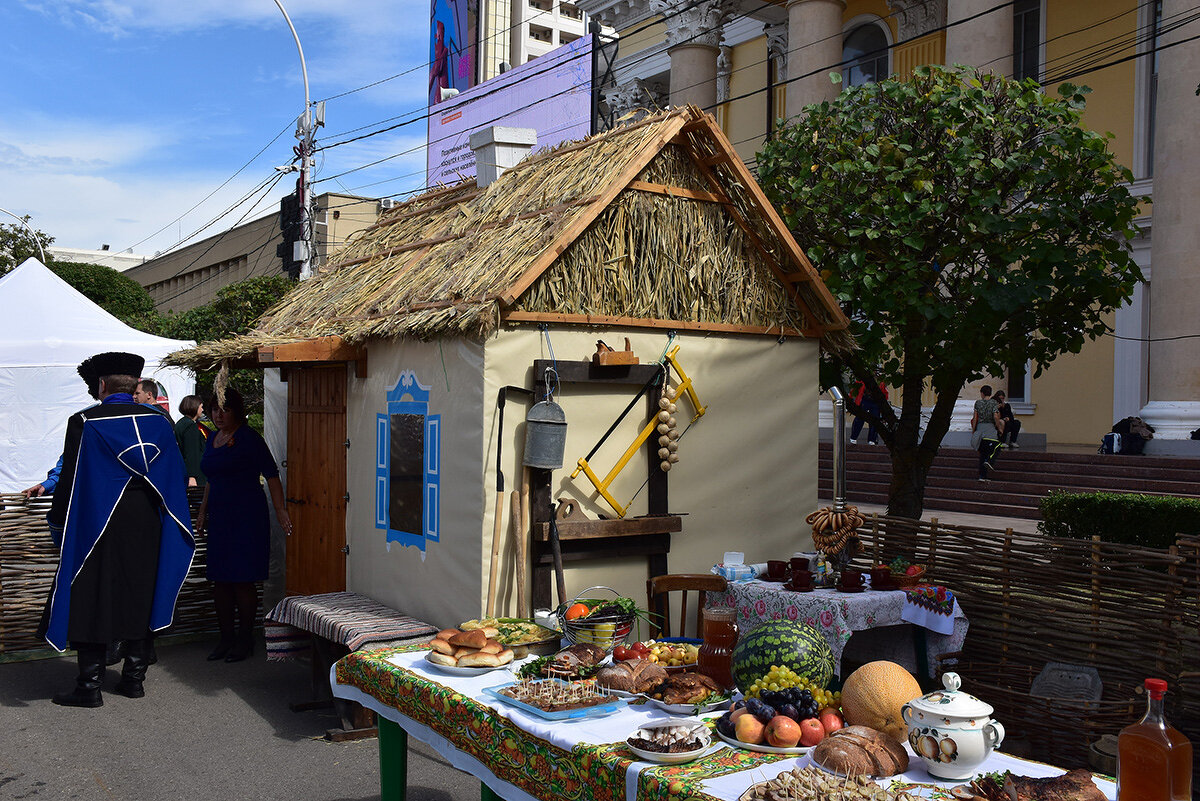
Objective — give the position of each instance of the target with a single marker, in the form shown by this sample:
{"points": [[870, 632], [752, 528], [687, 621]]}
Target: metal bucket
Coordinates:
{"points": [[545, 436]]}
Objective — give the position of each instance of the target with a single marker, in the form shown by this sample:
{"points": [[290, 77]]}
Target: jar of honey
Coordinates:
{"points": [[716, 652]]}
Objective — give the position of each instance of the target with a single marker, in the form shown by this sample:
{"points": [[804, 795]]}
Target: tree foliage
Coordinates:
{"points": [[966, 223], [116, 293], [17, 244]]}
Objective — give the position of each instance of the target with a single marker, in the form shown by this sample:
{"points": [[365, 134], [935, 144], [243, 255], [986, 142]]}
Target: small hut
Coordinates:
{"points": [[395, 356]]}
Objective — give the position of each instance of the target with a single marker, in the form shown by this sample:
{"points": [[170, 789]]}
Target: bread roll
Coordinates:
{"points": [[505, 656], [463, 650], [471, 639], [491, 631], [861, 751], [441, 646], [492, 647], [446, 634], [441, 659], [480, 659], [632, 676]]}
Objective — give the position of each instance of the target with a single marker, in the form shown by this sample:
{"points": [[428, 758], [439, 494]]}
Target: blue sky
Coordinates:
{"points": [[118, 116]]}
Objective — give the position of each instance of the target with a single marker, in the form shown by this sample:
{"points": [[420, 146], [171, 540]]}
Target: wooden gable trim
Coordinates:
{"points": [[759, 198], [318, 349], [677, 191], [610, 321], [616, 186]]}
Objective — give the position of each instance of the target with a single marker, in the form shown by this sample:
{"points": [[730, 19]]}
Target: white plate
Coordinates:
{"points": [[455, 670], [689, 709], [668, 759], [767, 749]]}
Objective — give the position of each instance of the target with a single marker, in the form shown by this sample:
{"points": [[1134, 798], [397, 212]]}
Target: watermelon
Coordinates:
{"points": [[786, 643]]}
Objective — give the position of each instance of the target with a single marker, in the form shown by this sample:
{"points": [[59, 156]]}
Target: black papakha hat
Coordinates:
{"points": [[88, 373], [115, 363]]}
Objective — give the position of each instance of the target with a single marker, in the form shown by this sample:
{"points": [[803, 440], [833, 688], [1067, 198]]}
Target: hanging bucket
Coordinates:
{"points": [[545, 436]]}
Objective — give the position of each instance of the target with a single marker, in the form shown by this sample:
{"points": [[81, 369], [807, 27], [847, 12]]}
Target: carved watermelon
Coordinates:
{"points": [[785, 643]]}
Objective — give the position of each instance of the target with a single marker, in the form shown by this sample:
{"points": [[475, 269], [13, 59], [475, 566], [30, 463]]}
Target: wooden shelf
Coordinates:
{"points": [[594, 529]]}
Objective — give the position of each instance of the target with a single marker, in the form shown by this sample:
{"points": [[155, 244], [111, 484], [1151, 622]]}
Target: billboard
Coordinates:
{"points": [[551, 94], [452, 32]]}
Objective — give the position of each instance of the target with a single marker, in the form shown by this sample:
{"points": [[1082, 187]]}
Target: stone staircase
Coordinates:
{"points": [[1021, 479]]}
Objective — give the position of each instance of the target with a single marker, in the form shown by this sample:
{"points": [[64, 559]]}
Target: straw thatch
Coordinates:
{"points": [[564, 233]]}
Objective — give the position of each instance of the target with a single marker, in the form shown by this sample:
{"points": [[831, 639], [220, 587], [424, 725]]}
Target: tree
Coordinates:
{"points": [[117, 294], [17, 244], [965, 222]]}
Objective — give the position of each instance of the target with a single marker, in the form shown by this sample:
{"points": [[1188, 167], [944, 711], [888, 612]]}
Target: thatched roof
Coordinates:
{"points": [[655, 223]]}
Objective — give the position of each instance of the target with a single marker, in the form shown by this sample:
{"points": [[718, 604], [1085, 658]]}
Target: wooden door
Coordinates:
{"points": [[316, 480]]}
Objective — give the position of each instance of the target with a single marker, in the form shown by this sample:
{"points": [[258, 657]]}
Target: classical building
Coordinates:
{"points": [[191, 276], [752, 62]]}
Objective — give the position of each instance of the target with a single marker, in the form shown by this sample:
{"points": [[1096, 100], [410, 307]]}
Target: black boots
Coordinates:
{"points": [[243, 646], [224, 646], [91, 675], [137, 659]]}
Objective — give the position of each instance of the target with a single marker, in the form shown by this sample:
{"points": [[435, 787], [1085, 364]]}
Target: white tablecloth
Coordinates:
{"points": [[838, 615], [610, 729]]}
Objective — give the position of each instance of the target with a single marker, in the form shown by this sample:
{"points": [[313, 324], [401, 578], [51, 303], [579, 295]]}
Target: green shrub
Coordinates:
{"points": [[1150, 520]]}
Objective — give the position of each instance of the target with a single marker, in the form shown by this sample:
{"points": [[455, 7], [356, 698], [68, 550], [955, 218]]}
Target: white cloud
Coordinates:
{"points": [[36, 142]]}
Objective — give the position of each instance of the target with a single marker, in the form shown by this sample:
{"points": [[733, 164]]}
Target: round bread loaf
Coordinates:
{"points": [[860, 751]]}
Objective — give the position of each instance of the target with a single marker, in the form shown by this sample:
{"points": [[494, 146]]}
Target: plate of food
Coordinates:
{"points": [[756, 726], [554, 699], [689, 694], [466, 653], [580, 661], [675, 654], [860, 751], [520, 634], [765, 748], [631, 677], [670, 742]]}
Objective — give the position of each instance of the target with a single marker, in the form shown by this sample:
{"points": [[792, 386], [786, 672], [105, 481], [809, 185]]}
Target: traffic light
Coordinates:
{"points": [[291, 225]]}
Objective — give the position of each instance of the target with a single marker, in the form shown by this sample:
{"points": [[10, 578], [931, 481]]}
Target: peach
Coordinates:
{"points": [[748, 729], [783, 732]]}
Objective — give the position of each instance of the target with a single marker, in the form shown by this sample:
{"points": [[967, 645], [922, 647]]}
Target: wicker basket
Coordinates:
{"points": [[904, 581], [605, 631], [1055, 730]]}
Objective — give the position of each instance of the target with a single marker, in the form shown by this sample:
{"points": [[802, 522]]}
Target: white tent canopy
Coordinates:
{"points": [[46, 329]]}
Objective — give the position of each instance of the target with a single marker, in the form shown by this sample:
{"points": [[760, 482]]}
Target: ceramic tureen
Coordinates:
{"points": [[952, 731]]}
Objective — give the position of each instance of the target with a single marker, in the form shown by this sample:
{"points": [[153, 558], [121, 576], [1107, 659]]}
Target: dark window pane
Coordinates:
{"points": [[1027, 29], [406, 482], [865, 48], [1016, 382]]}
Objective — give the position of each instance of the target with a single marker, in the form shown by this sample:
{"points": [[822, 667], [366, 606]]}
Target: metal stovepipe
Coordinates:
{"points": [[839, 449]]}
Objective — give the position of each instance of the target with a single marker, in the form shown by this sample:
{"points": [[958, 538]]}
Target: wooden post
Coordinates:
{"points": [[875, 538], [1095, 594], [933, 529], [1006, 586]]}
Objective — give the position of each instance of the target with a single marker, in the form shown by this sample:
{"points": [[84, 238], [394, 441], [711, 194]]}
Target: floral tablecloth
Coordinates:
{"points": [[838, 615]]}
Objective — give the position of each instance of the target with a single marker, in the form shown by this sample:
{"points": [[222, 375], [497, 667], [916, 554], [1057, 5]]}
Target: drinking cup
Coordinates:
{"points": [[799, 563], [776, 568]]}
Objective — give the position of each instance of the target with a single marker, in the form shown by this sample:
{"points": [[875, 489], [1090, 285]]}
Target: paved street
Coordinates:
{"points": [[205, 730]]}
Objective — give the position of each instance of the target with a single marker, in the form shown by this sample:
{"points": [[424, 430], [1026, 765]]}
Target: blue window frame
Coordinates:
{"points": [[408, 465]]}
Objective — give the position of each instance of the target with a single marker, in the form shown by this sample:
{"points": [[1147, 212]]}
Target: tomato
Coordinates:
{"points": [[641, 648], [576, 610], [621, 653], [912, 570]]}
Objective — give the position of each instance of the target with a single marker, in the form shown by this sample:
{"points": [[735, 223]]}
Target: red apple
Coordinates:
{"points": [[831, 720], [783, 732], [912, 570], [811, 732]]}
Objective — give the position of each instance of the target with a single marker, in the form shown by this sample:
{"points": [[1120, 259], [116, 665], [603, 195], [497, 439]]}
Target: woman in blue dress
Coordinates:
{"points": [[235, 517]]}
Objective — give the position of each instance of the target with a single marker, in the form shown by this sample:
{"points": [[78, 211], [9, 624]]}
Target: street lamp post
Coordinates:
{"points": [[306, 127]]}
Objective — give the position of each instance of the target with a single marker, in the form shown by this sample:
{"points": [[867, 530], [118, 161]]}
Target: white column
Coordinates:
{"points": [[814, 46], [986, 41], [1174, 406]]}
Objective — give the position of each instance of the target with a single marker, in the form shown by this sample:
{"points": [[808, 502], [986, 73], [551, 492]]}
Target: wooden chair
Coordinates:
{"points": [[657, 590]]}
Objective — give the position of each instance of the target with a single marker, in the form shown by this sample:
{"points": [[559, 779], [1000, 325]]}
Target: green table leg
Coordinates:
{"points": [[393, 760], [486, 794], [922, 655]]}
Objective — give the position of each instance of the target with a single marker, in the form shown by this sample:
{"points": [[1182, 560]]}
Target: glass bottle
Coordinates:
{"points": [[716, 652], [1154, 760]]}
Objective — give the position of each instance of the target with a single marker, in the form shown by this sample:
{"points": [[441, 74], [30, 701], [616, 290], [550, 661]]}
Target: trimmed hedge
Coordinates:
{"points": [[1148, 520]]}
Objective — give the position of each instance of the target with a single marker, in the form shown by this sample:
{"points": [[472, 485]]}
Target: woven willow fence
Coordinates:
{"points": [[1127, 611], [28, 559]]}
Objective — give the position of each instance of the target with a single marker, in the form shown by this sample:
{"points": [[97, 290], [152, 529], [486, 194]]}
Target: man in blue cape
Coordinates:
{"points": [[121, 517]]}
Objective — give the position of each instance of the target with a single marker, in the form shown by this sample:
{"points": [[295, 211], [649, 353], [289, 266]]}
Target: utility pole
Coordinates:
{"points": [[306, 129]]}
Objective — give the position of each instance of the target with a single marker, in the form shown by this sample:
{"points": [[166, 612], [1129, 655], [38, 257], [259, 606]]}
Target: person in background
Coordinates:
{"points": [[1012, 426], [985, 431], [868, 404], [235, 516], [191, 437], [147, 393], [120, 517]]}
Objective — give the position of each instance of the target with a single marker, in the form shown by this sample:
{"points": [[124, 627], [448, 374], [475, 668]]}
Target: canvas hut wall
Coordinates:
{"points": [[440, 584], [747, 473]]}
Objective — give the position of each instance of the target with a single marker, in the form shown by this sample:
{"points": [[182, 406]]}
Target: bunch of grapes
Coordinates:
{"points": [[780, 679]]}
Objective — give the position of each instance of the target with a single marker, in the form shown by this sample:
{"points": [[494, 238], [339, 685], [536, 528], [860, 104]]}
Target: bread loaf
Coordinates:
{"points": [[480, 659], [441, 659], [860, 751], [469, 639], [632, 676], [446, 634], [492, 647], [441, 646]]}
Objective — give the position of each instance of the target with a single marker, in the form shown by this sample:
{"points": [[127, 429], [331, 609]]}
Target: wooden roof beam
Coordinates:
{"points": [[318, 349], [677, 191]]}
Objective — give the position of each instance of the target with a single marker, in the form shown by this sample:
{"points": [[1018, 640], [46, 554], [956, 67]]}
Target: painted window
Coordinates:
{"points": [[1027, 39], [408, 465], [865, 53]]}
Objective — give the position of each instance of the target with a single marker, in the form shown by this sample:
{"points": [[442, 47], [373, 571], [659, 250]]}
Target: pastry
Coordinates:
{"points": [[446, 634], [441, 646], [441, 659], [860, 751], [469, 639], [632, 676]]}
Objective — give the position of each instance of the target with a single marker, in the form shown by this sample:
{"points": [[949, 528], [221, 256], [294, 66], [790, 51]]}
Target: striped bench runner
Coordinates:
{"points": [[346, 618]]}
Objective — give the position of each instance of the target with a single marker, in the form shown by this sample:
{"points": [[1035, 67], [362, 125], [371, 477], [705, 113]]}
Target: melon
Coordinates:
{"points": [[874, 694], [786, 643]]}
